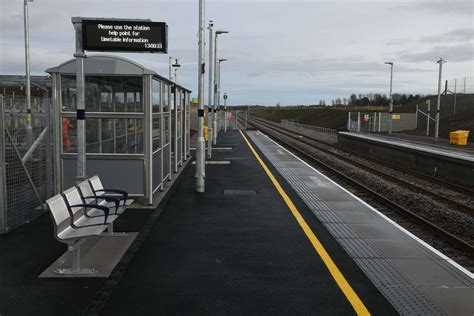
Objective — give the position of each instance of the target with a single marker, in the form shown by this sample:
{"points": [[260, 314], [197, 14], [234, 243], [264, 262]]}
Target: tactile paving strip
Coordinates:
{"points": [[398, 290]]}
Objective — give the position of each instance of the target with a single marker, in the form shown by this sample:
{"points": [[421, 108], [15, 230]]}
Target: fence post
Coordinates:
{"points": [[416, 117], [455, 86], [3, 173], [428, 117], [380, 121], [374, 121], [349, 121]]}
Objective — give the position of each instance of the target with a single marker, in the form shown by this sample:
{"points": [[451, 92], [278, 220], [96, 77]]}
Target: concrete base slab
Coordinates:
{"points": [[101, 253]]}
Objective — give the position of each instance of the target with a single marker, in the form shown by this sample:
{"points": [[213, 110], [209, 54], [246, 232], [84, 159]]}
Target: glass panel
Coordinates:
{"points": [[119, 102], [166, 90], [178, 100], [120, 136], [180, 118], [156, 96], [166, 129], [69, 133], [156, 132], [105, 94], [106, 103], [105, 135], [68, 93]]}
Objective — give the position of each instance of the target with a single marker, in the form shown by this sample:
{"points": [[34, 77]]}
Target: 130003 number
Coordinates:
{"points": [[153, 45]]}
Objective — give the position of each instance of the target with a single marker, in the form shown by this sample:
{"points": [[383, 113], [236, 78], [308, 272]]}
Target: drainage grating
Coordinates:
{"points": [[215, 162], [240, 192]]}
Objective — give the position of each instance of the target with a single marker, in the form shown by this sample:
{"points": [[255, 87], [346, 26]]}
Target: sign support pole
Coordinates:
{"points": [[210, 102], [201, 145], [80, 103]]}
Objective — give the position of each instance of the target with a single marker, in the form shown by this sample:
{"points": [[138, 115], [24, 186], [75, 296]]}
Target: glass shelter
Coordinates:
{"points": [[137, 125]]}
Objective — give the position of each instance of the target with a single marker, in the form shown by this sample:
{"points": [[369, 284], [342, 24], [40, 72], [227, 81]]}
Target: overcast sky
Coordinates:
{"points": [[288, 51]]}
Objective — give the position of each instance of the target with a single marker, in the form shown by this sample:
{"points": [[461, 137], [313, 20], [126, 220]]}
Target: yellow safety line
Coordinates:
{"points": [[341, 281]]}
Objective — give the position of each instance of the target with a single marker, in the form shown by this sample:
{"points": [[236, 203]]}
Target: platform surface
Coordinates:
{"points": [[415, 278], [236, 249], [459, 152]]}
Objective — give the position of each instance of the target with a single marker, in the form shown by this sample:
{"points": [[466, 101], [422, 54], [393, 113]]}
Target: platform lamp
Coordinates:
{"points": [[29, 129], [216, 91], [390, 110], [219, 61]]}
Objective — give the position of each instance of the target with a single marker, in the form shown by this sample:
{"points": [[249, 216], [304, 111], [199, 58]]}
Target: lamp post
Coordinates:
{"points": [[210, 96], [216, 91], [219, 61], [201, 145], [29, 129], [170, 64], [390, 110], [441, 61]]}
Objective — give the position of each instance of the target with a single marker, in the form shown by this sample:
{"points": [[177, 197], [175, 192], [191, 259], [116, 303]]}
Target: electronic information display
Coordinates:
{"points": [[126, 35]]}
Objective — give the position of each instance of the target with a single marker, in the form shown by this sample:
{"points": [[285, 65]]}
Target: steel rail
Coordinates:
{"points": [[450, 185], [391, 178]]}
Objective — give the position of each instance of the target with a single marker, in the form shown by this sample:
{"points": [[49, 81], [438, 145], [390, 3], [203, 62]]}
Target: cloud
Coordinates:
{"points": [[454, 36], [288, 51], [445, 7], [453, 53]]}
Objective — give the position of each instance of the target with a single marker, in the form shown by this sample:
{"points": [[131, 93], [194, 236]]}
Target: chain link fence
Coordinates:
{"points": [[378, 122], [26, 178], [459, 95]]}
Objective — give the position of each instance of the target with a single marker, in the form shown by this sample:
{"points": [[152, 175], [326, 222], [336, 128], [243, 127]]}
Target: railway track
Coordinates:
{"points": [[445, 186], [296, 146]]}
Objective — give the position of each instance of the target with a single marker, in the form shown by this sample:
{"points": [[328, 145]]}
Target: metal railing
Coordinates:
{"points": [[323, 133]]}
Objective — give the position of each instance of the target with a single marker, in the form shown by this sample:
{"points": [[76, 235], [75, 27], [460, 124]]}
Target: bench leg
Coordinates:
{"points": [[110, 232], [76, 269]]}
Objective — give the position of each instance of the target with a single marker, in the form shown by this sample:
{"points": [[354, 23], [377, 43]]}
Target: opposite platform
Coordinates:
{"points": [[237, 248], [452, 163]]}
